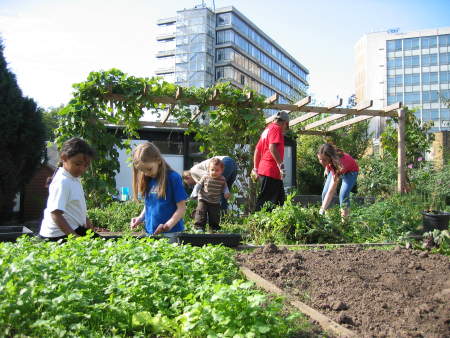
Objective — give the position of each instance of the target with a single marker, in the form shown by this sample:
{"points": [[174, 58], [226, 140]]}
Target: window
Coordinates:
{"points": [[444, 40], [412, 98], [395, 81], [444, 77], [412, 79], [242, 79], [410, 44], [430, 96], [444, 58], [430, 78], [394, 45], [429, 42], [412, 61], [429, 60], [394, 63], [223, 19], [394, 98]]}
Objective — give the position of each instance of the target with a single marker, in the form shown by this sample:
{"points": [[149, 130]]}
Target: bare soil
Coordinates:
{"points": [[376, 293]]}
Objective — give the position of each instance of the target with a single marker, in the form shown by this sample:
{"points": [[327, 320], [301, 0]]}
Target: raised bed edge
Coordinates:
{"points": [[325, 322]]}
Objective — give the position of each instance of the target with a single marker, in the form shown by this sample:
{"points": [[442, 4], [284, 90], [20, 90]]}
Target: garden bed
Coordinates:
{"points": [[372, 292]]}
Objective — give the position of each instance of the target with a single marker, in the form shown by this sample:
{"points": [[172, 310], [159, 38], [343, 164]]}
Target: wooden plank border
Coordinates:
{"points": [[326, 323]]}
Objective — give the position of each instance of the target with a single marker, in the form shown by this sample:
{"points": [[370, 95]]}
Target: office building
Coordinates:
{"points": [[200, 47], [412, 67]]}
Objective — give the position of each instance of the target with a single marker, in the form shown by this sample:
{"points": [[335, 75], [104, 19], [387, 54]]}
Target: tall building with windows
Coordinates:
{"points": [[412, 67], [200, 47]]}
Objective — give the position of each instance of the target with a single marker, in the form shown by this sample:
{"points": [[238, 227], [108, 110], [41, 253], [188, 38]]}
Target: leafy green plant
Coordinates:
{"points": [[95, 288], [289, 224], [388, 219], [377, 176], [432, 184], [438, 241], [115, 216]]}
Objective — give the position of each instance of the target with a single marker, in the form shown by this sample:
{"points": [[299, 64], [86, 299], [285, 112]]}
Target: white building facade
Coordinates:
{"points": [[412, 67]]}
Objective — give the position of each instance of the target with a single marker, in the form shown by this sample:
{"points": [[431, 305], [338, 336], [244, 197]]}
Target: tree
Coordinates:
{"points": [[417, 138], [50, 118], [22, 145]]}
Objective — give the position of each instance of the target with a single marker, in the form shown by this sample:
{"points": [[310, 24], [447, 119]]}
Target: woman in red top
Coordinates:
{"points": [[338, 165]]}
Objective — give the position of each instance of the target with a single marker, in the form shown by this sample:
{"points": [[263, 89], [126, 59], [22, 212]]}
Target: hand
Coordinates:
{"points": [[282, 171], [162, 228], [227, 196], [321, 211], [89, 224], [254, 174], [135, 221]]}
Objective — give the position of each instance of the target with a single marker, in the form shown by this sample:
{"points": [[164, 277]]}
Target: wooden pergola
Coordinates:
{"points": [[360, 113]]}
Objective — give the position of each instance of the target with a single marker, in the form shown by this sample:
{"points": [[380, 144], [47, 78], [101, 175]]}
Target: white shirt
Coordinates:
{"points": [[65, 194]]}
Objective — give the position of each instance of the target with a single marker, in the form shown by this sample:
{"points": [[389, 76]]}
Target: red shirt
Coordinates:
{"points": [[348, 165], [267, 165]]}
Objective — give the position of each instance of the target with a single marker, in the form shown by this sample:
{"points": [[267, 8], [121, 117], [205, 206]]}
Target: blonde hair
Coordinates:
{"points": [[144, 153], [216, 161]]}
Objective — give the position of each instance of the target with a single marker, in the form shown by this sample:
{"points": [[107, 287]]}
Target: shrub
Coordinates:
{"points": [[116, 216], [291, 223]]}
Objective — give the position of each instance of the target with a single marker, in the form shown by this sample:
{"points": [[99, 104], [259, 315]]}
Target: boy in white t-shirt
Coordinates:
{"points": [[66, 212]]}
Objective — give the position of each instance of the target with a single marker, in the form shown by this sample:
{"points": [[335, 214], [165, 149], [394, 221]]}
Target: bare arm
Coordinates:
{"points": [[135, 221], [58, 217], [256, 158], [330, 193], [275, 154], [177, 215]]}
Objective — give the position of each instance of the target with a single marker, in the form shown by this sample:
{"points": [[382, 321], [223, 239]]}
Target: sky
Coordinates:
{"points": [[52, 44]]}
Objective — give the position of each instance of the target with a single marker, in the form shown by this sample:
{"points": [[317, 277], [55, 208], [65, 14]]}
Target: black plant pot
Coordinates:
{"points": [[435, 219]]}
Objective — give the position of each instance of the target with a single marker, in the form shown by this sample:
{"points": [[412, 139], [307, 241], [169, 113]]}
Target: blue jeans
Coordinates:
{"points": [[230, 173], [348, 182]]}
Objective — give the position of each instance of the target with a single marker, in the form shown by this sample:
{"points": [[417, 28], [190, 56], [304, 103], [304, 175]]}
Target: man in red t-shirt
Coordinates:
{"points": [[268, 161]]}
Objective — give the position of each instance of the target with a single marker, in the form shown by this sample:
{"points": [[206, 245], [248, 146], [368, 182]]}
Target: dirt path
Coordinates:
{"points": [[377, 293]]}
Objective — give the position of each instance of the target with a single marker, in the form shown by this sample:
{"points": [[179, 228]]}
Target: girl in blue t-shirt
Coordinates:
{"points": [[162, 190]]}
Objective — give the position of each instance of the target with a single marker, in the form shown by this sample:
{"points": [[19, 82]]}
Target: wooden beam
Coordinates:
{"points": [[302, 118], [392, 107], [322, 110], [324, 121], [303, 102], [335, 104], [313, 132], [364, 105], [401, 152], [167, 113], [215, 94], [271, 99], [275, 106], [197, 114], [348, 122], [179, 93]]}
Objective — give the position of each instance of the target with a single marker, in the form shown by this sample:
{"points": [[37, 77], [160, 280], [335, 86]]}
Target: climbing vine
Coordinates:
{"points": [[112, 98]]}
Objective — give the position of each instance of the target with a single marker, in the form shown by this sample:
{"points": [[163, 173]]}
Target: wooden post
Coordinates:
{"points": [[401, 152]]}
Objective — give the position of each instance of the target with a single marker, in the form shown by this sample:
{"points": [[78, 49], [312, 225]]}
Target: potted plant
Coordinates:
{"points": [[437, 189]]}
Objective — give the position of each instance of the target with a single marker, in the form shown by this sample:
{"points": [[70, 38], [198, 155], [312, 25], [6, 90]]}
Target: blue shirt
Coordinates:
{"points": [[160, 210]]}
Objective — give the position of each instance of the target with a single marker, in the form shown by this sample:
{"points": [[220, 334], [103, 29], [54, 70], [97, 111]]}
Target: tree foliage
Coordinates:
{"points": [[417, 138], [112, 97], [22, 145]]}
